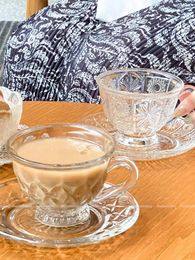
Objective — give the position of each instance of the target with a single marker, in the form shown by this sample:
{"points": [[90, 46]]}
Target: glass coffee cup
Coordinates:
{"points": [[138, 103], [60, 184]]}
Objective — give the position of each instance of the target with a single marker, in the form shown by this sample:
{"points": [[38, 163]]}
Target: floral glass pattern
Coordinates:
{"points": [[139, 102]]}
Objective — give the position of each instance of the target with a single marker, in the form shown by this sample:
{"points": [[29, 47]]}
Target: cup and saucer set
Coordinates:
{"points": [[60, 201]]}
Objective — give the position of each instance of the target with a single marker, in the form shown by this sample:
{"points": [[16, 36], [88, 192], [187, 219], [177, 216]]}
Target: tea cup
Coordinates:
{"points": [[138, 103], [60, 185]]}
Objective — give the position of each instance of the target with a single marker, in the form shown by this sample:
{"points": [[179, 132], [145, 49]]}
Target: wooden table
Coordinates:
{"points": [[165, 192], [33, 6]]}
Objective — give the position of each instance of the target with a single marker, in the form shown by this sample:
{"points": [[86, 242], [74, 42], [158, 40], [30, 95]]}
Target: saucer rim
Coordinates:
{"points": [[9, 234], [162, 154]]}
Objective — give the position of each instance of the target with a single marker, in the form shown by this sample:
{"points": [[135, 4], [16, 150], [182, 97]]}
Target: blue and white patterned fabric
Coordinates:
{"points": [[56, 53]]}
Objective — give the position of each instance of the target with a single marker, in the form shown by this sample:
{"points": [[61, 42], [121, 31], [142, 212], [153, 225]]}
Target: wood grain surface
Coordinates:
{"points": [[165, 191], [33, 6]]}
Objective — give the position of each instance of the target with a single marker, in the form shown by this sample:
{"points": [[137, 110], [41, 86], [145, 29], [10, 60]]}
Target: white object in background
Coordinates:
{"points": [[9, 124], [109, 10]]}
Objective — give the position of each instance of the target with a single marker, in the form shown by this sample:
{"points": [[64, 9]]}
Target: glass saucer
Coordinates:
{"points": [[4, 157], [109, 217], [176, 137]]}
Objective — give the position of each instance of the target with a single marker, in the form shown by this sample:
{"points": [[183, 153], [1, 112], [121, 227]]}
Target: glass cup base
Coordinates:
{"points": [[108, 218], [144, 143], [63, 218]]}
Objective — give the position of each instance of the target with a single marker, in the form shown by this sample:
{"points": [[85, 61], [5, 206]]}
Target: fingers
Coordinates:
{"points": [[186, 106], [188, 89], [187, 86], [192, 115]]}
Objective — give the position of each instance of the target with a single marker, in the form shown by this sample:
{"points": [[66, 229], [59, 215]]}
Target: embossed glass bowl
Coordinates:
{"points": [[138, 103]]}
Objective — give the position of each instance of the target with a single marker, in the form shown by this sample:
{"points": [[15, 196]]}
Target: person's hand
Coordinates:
{"points": [[187, 105]]}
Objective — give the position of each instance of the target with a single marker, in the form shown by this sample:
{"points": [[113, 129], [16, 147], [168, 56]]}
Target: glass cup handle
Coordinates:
{"points": [[128, 183]]}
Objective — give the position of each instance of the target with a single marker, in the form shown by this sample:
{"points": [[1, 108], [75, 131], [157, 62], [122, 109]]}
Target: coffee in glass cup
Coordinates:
{"points": [[62, 168]]}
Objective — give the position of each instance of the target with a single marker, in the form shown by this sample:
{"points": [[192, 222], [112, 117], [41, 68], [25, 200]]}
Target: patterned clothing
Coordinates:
{"points": [[56, 53]]}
